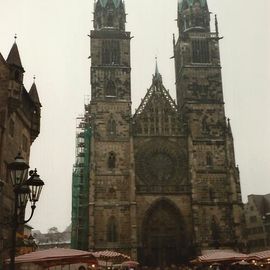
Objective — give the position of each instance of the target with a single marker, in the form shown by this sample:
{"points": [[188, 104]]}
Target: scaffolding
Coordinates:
{"points": [[80, 185]]}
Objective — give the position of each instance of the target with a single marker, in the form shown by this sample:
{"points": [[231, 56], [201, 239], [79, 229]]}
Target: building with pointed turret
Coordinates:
{"points": [[19, 127], [163, 184]]}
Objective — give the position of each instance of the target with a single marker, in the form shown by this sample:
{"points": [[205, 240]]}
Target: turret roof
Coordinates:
{"points": [[190, 3], [34, 94], [14, 56], [104, 2]]}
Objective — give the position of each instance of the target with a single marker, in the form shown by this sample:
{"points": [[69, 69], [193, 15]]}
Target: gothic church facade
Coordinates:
{"points": [[163, 183]]}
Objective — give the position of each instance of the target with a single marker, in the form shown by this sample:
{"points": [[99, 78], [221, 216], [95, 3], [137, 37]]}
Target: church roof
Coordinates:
{"points": [[190, 3], [104, 2], [14, 56]]}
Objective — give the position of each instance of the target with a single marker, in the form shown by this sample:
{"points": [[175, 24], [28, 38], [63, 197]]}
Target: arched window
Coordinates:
{"points": [[205, 127], [11, 128], [112, 230], [17, 75], [110, 89], [111, 127], [215, 231], [110, 20], [211, 194], [209, 159], [111, 193], [106, 52], [110, 52], [111, 160]]}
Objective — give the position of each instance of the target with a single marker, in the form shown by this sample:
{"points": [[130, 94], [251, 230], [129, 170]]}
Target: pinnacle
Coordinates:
{"points": [[34, 94], [14, 56]]}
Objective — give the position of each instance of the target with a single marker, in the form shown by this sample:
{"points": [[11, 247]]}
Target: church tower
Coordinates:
{"points": [[214, 177], [112, 217], [163, 183]]}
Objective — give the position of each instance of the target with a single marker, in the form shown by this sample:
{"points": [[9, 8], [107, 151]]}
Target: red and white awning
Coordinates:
{"points": [[108, 255], [57, 256], [212, 256], [262, 255]]}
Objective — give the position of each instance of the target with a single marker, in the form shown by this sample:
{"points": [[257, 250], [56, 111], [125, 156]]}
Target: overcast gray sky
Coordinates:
{"points": [[53, 43]]}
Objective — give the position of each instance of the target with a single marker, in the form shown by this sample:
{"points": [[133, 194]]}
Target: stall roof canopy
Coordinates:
{"points": [[220, 256], [56, 256], [109, 255], [262, 255]]}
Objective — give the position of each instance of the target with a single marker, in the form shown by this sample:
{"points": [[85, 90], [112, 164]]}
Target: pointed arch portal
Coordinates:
{"points": [[164, 240]]}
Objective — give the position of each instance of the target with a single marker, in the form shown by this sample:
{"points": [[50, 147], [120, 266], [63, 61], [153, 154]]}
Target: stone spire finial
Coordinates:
{"points": [[14, 55]]}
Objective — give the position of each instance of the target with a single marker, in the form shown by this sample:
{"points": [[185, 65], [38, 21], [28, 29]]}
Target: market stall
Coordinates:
{"points": [[219, 259], [54, 257], [260, 259], [107, 258]]}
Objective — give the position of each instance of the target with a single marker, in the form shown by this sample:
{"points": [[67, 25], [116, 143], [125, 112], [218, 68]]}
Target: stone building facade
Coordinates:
{"points": [[257, 214], [19, 127], [163, 182]]}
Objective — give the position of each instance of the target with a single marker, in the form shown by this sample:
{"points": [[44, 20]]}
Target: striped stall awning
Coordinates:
{"points": [[262, 255], [212, 256], [109, 255], [56, 256]]}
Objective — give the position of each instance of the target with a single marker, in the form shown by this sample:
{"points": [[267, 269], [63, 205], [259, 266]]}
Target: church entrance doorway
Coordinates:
{"points": [[163, 236]]}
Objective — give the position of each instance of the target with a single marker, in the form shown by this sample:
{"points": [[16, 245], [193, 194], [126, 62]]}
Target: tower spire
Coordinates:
{"points": [[14, 55], [156, 70], [157, 75]]}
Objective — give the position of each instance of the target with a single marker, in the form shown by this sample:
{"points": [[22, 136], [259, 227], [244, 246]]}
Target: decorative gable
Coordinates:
{"points": [[157, 114]]}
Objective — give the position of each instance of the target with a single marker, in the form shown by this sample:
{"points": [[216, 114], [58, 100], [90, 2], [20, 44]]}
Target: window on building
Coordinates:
{"points": [[111, 127], [111, 52], [200, 51], [215, 230], [112, 230], [205, 126], [211, 194], [253, 219], [110, 20], [209, 159], [11, 128], [24, 143], [17, 75], [110, 89], [7, 172], [111, 160], [112, 193], [2, 117]]}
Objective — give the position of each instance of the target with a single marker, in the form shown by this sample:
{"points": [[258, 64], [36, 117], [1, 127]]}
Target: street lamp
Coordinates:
{"points": [[24, 190]]}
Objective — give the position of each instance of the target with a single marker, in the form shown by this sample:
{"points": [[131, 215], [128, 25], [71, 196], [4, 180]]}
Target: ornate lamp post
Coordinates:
{"points": [[24, 190]]}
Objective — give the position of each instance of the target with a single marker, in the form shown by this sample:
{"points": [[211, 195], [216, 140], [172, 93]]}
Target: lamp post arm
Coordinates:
{"points": [[33, 207]]}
